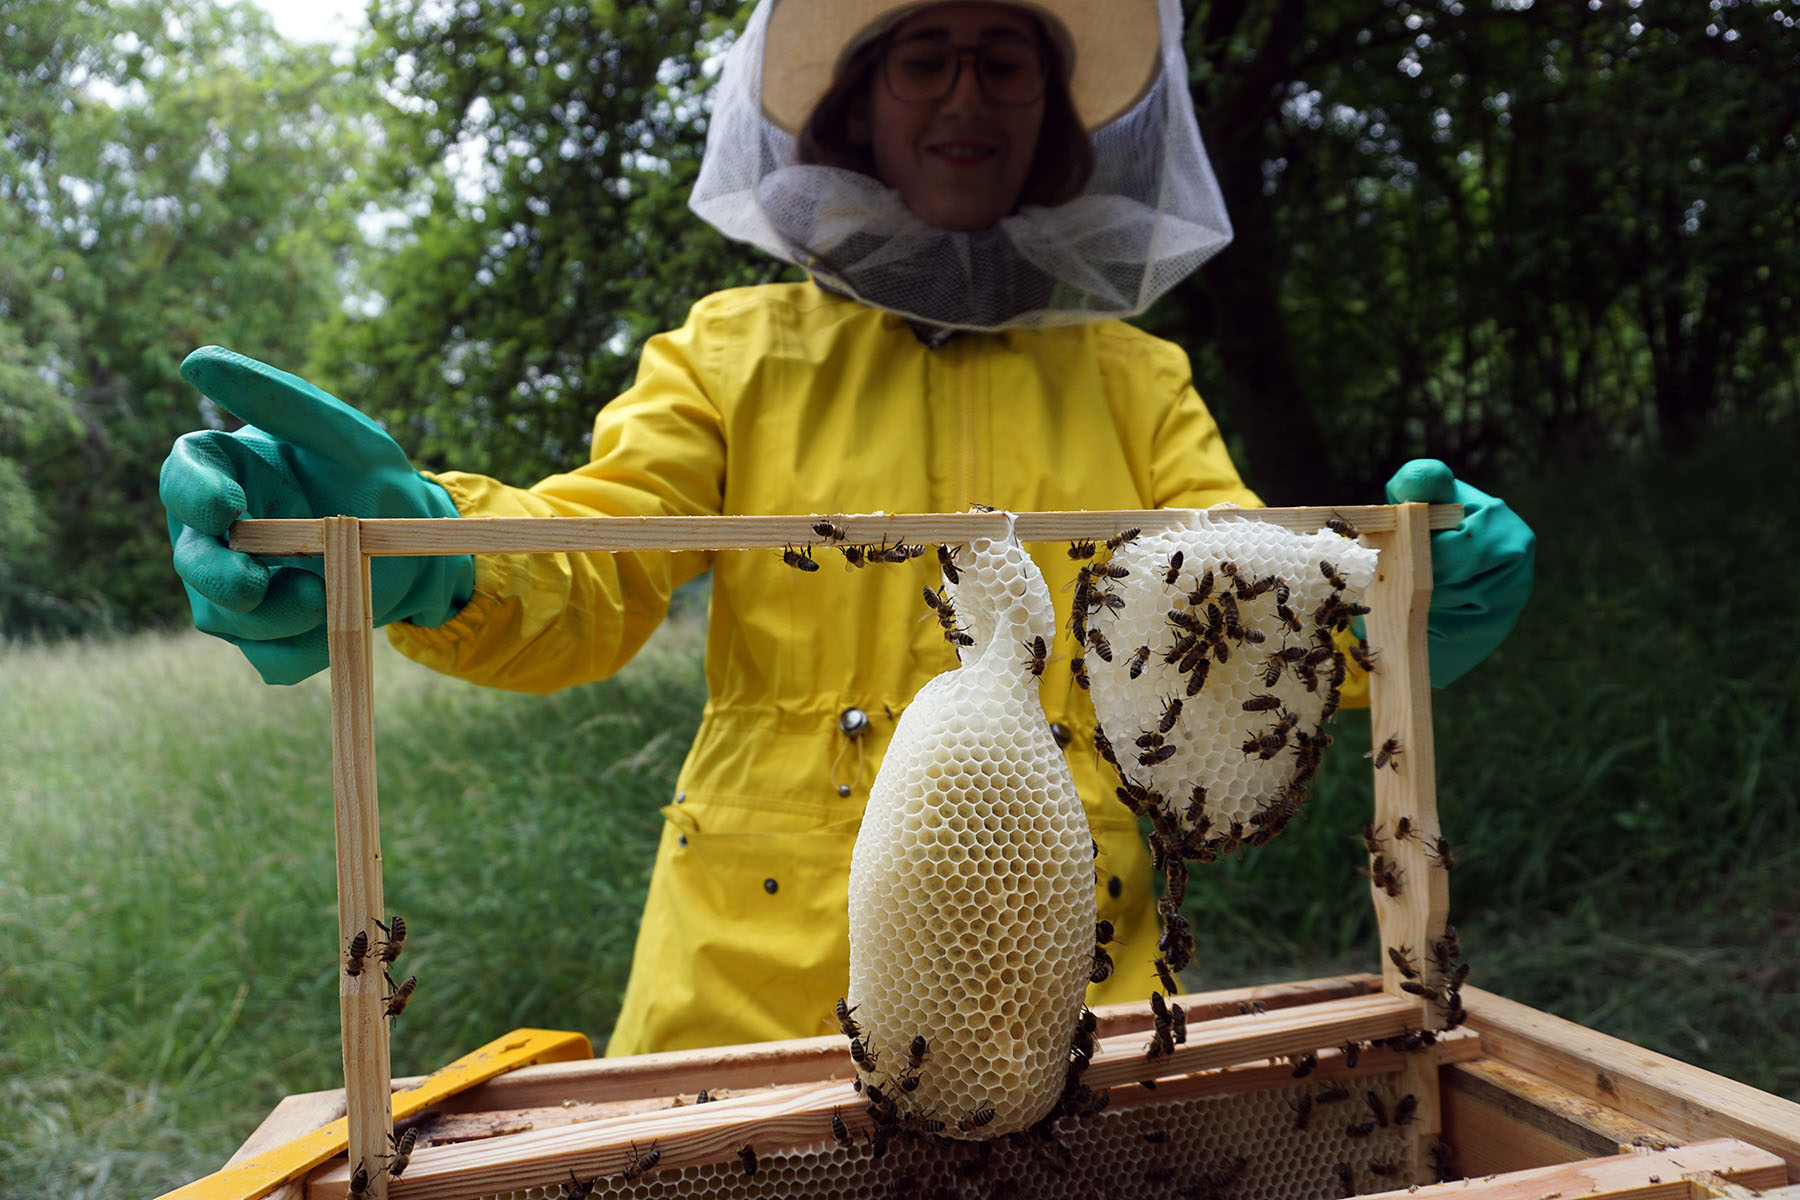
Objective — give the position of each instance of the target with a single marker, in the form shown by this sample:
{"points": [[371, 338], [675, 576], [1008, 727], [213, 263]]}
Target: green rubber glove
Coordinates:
{"points": [[303, 454], [1480, 571]]}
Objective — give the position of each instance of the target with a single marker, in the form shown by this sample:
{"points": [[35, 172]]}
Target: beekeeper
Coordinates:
{"points": [[978, 192]]}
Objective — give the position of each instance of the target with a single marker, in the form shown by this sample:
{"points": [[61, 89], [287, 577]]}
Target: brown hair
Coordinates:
{"points": [[1060, 168]]}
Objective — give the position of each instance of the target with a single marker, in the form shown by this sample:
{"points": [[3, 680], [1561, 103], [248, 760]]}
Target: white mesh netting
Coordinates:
{"points": [[1150, 215], [972, 883]]}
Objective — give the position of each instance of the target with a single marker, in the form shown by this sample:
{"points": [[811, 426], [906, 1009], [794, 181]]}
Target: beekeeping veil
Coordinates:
{"points": [[1150, 214]]}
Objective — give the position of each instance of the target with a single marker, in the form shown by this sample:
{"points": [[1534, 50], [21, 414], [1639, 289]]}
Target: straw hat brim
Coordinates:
{"points": [[1114, 42]]}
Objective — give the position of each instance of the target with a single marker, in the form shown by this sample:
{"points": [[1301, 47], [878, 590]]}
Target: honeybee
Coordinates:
{"points": [[1078, 670], [915, 1052], [1403, 829], [840, 1133], [359, 949], [359, 1182], [1407, 1110], [747, 1155], [1036, 655], [1167, 976], [1103, 745], [1112, 570], [1365, 657], [1439, 1150], [861, 1055], [1347, 1179], [1103, 932], [704, 1095], [947, 562], [1171, 713], [1386, 755], [1371, 836], [403, 1148], [800, 560], [396, 1003], [1335, 1093], [1173, 570], [845, 1021], [1139, 657], [856, 556], [1101, 646], [1123, 538], [1306, 1064], [1262, 703], [1081, 550], [1202, 589], [939, 605], [395, 941], [1197, 678], [1103, 966], [1331, 575], [1439, 849], [1401, 959], [1159, 754], [641, 1162], [830, 532], [1362, 1130], [1302, 1111], [1352, 1053]]}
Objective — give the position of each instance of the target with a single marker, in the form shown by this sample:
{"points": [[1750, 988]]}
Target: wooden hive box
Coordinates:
{"points": [[1331, 1087]]}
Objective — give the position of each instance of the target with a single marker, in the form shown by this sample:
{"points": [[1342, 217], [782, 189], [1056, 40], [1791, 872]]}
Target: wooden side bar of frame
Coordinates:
{"points": [[362, 996], [1413, 903]]}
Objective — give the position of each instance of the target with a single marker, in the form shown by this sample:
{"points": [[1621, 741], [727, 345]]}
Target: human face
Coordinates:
{"points": [[959, 162]]}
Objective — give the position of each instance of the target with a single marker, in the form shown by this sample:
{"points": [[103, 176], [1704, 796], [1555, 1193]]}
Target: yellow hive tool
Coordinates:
{"points": [[263, 1173]]}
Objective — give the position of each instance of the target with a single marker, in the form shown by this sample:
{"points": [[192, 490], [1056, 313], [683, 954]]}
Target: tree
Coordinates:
{"points": [[178, 176], [546, 152]]}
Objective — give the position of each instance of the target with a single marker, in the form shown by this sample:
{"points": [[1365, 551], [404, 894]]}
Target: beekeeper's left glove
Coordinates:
{"points": [[304, 453], [1480, 570]]}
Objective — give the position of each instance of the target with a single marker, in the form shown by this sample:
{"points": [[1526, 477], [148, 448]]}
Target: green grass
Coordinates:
{"points": [[1620, 781]]}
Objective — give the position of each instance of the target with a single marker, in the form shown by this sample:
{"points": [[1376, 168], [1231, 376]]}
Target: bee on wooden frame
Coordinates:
{"points": [[359, 950], [800, 560], [395, 940], [1123, 538], [832, 533], [1386, 755], [401, 995], [947, 562], [403, 1149]]}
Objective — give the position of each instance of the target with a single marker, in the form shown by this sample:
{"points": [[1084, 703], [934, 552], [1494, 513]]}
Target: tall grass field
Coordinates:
{"points": [[1619, 781]]}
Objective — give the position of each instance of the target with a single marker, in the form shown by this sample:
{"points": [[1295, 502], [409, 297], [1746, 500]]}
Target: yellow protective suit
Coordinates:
{"points": [[788, 399]]}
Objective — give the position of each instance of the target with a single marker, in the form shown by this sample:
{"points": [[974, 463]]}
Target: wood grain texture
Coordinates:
{"points": [[1659, 1175], [1665, 1092], [1499, 1118], [424, 536], [361, 997]]}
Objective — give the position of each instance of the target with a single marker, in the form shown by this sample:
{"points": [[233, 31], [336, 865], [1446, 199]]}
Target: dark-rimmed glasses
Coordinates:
{"points": [[1011, 71]]}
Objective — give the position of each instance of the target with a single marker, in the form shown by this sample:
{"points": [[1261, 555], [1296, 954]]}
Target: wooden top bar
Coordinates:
{"points": [[489, 535]]}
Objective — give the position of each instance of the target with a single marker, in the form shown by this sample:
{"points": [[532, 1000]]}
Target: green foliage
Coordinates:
{"points": [[546, 152], [179, 176], [1486, 231]]}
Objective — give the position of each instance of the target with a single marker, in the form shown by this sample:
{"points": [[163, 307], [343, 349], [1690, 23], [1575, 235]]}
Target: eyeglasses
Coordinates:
{"points": [[1010, 70]]}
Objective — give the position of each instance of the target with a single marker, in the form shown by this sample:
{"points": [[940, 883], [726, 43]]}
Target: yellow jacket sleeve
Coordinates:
{"points": [[539, 622]]}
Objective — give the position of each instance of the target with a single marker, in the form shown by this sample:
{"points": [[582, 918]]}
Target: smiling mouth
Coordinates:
{"points": [[962, 154]]}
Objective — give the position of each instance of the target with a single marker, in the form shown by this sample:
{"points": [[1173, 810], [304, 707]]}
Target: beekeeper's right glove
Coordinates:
{"points": [[302, 454]]}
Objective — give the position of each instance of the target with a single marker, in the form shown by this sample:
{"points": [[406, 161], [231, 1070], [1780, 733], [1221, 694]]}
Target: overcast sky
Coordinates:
{"points": [[335, 21]]}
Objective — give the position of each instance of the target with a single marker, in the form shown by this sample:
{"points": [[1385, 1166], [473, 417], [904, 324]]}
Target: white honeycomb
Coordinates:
{"points": [[1178, 1147], [1182, 721], [972, 882]]}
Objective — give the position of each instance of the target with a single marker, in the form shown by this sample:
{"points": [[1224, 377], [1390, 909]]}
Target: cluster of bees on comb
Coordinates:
{"points": [[1268, 642]]}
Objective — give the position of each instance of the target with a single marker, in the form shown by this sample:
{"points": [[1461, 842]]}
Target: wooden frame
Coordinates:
{"points": [[811, 1075]]}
